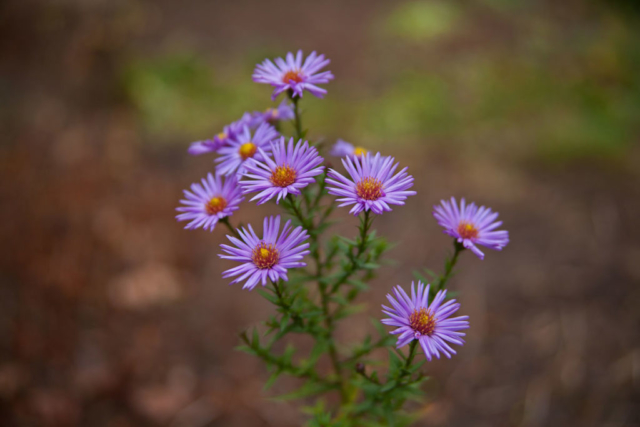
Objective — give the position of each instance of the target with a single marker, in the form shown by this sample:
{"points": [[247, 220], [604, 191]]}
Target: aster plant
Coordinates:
{"points": [[316, 280]]}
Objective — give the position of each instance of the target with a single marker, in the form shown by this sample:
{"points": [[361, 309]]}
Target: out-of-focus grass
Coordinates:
{"points": [[182, 95], [550, 93], [423, 20]]}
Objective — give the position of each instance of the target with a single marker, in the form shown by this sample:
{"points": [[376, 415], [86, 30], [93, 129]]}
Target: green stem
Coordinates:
{"points": [[403, 373], [296, 112], [449, 265], [286, 366], [286, 306], [333, 353], [321, 186], [364, 230], [328, 319], [412, 354], [233, 231], [364, 375], [297, 212]]}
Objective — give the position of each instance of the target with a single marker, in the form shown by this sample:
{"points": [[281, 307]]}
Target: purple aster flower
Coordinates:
{"points": [[293, 75], [266, 258], [373, 186], [429, 324], [222, 139], [282, 112], [471, 225], [208, 203], [291, 169], [343, 148], [243, 147]]}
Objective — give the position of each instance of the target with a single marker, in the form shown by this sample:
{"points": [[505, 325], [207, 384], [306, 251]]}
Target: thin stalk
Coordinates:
{"points": [[282, 301], [449, 265], [364, 230], [298, 213], [333, 354], [233, 231], [412, 354], [296, 112]]}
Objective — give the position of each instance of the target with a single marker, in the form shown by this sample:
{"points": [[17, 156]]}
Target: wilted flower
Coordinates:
{"points": [[243, 147], [291, 169], [293, 75], [343, 148], [206, 204], [373, 186], [429, 324], [266, 258], [471, 225]]}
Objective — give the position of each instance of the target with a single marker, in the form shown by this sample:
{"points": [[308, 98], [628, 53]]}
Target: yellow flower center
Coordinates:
{"points": [[359, 151], [467, 230], [248, 149], [369, 189], [283, 176], [215, 205], [295, 75], [422, 321], [265, 255], [222, 135], [273, 112]]}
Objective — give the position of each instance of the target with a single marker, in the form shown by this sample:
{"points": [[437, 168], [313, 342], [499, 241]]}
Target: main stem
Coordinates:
{"points": [[324, 296]]}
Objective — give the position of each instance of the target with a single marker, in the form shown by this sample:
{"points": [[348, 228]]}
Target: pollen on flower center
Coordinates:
{"points": [[467, 230], [295, 75], [283, 176], [248, 149], [359, 151], [265, 255], [369, 189], [422, 321], [215, 205]]}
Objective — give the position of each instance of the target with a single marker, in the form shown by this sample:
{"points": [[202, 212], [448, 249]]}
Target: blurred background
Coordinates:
{"points": [[112, 315]]}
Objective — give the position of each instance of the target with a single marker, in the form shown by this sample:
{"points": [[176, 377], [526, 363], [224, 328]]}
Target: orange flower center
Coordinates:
{"points": [[422, 321], [283, 176], [295, 75], [359, 151], [248, 149], [215, 205], [265, 256], [467, 230], [369, 189]]}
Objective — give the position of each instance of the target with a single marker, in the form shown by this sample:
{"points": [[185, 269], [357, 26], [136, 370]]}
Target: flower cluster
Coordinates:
{"points": [[255, 158]]}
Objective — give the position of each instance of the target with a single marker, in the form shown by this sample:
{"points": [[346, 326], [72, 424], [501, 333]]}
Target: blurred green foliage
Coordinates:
{"points": [[551, 92], [181, 94], [423, 20]]}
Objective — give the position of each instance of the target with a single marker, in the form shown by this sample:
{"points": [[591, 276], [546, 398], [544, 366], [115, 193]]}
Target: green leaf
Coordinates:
{"points": [[378, 325], [394, 361], [309, 388], [272, 380], [388, 386], [273, 299], [358, 284]]}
